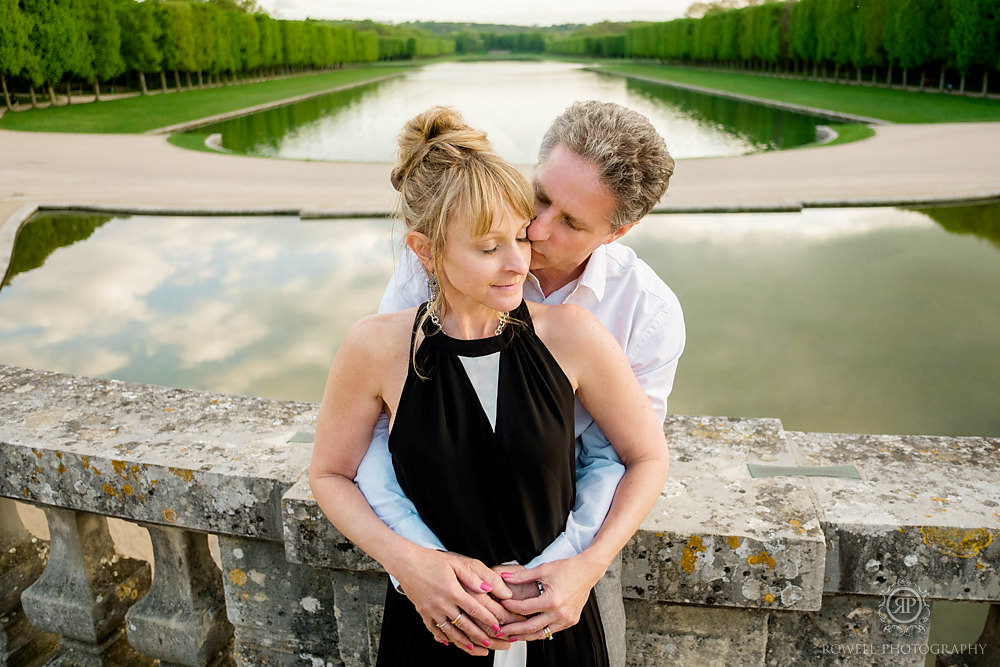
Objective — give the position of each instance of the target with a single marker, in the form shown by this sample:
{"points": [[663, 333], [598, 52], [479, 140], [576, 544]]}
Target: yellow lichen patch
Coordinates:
{"points": [[690, 558], [763, 558], [37, 453], [110, 490], [126, 592], [768, 597], [169, 409], [186, 475], [169, 515], [127, 489], [733, 541], [61, 469], [85, 462], [957, 542], [798, 527], [120, 468], [939, 500], [979, 565], [238, 577]]}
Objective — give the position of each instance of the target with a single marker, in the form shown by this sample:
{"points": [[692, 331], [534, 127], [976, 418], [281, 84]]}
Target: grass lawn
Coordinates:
{"points": [[146, 112], [898, 106]]}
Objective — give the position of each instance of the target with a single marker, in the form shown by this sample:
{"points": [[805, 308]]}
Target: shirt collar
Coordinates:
{"points": [[594, 276]]}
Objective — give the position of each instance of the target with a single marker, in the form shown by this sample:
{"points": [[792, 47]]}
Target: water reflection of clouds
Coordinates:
{"points": [[207, 303], [807, 226]]}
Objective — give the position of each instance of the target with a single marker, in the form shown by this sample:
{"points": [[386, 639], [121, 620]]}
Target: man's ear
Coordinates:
{"points": [[422, 248], [620, 232]]}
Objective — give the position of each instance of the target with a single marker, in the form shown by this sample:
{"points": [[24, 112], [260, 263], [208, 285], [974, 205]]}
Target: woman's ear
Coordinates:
{"points": [[421, 247]]}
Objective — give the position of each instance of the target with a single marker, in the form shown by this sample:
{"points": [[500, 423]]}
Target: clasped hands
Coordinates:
{"points": [[477, 608]]}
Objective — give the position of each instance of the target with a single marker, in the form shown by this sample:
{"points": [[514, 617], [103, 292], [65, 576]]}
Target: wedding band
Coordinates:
{"points": [[548, 633], [541, 589], [441, 624], [456, 618]]}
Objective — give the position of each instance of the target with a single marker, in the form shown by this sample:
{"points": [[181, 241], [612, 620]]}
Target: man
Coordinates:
{"points": [[601, 168]]}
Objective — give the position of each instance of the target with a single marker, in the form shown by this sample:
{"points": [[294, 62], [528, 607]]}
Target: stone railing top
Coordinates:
{"points": [[197, 460], [925, 512], [715, 536], [918, 511]]}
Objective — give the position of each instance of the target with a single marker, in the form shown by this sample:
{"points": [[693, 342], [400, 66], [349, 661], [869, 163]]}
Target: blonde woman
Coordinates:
{"points": [[477, 379]]}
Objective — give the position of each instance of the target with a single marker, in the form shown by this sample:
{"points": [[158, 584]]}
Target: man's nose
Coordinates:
{"points": [[540, 226]]}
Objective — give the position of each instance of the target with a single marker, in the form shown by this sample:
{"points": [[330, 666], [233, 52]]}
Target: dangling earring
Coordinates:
{"points": [[434, 289]]}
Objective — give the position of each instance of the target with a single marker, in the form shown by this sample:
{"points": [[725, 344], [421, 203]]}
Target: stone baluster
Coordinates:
{"points": [[282, 612], [182, 620], [22, 559], [360, 600], [85, 590]]}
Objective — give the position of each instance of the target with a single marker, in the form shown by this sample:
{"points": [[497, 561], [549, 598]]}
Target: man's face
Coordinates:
{"points": [[571, 217]]}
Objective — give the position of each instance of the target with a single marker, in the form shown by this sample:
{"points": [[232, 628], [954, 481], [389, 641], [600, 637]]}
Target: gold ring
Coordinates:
{"points": [[441, 624], [456, 618], [548, 633]]}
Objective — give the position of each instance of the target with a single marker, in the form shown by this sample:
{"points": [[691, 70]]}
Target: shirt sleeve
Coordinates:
{"points": [[654, 352], [407, 287]]}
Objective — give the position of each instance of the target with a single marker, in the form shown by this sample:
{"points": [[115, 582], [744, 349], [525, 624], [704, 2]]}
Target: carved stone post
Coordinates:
{"points": [[360, 600], [282, 612], [22, 559], [182, 620], [85, 590]]}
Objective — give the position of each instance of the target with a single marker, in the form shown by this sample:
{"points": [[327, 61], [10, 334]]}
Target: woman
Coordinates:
{"points": [[476, 377]]}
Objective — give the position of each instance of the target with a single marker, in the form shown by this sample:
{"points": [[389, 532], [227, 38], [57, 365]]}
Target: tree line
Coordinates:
{"points": [[884, 40], [45, 44]]}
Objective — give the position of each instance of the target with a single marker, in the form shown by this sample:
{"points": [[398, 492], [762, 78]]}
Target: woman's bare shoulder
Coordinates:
{"points": [[380, 335], [564, 321]]}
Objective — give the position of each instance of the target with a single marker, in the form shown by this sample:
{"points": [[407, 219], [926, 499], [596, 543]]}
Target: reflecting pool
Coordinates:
{"points": [[514, 102], [857, 320]]}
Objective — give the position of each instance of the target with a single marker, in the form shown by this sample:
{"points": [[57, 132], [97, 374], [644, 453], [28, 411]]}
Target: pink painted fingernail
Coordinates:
{"points": [[485, 587], [500, 634], [486, 643], [495, 627], [468, 646], [506, 575]]}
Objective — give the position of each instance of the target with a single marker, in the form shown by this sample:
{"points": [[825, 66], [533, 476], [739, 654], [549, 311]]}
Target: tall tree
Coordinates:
{"points": [[177, 43], [14, 30], [140, 33], [974, 37], [55, 40], [104, 38]]}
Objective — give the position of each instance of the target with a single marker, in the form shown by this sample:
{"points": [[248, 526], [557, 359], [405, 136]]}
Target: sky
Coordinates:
{"points": [[518, 12]]}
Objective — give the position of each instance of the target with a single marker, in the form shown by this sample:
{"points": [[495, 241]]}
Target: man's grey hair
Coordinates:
{"points": [[630, 154]]}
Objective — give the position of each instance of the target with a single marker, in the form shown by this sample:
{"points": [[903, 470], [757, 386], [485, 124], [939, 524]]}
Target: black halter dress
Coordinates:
{"points": [[483, 446]]}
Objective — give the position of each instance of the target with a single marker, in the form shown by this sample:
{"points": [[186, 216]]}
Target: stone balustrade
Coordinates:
{"points": [[766, 546]]}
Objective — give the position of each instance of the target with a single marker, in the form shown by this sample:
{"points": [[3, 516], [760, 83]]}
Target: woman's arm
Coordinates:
{"points": [[365, 366], [608, 389]]}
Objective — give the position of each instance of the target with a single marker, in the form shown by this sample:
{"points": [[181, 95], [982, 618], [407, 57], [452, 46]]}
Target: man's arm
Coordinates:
{"points": [[655, 350]]}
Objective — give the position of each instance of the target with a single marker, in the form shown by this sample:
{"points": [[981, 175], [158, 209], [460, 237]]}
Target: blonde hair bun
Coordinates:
{"points": [[438, 136]]}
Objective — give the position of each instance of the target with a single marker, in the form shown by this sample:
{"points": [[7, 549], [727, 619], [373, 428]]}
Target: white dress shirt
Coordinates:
{"points": [[643, 315]]}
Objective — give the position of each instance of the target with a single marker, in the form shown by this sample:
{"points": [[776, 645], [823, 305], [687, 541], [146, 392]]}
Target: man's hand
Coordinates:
{"points": [[566, 583], [438, 584]]}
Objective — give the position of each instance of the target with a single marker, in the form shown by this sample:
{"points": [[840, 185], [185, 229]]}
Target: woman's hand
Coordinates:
{"points": [[438, 583], [566, 586]]}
